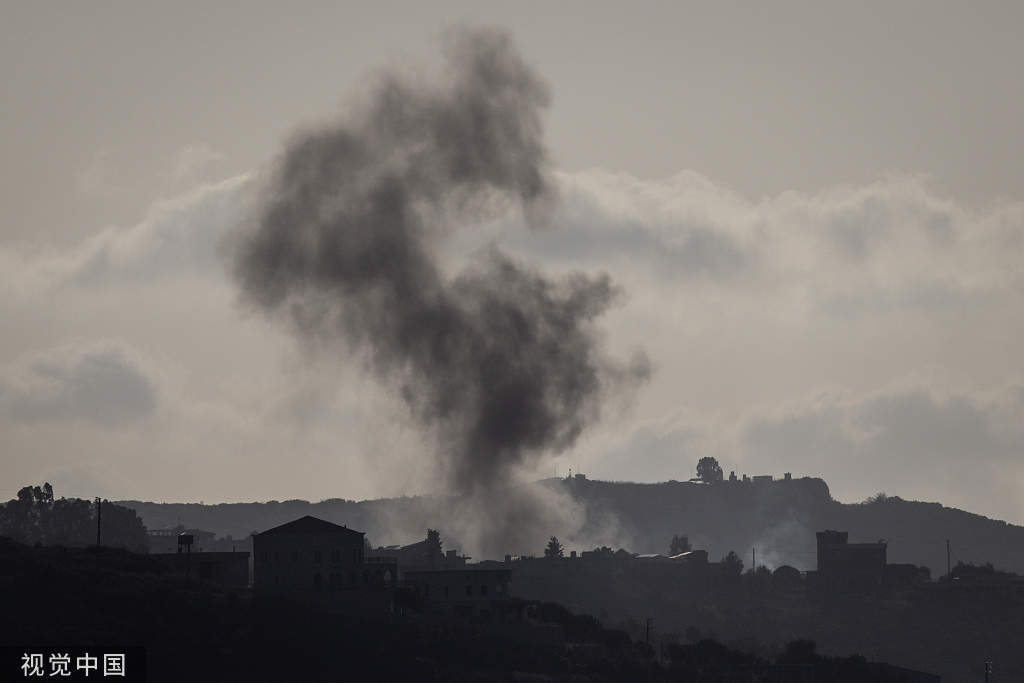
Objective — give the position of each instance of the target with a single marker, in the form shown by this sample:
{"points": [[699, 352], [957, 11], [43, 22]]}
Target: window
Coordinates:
{"points": [[335, 555], [483, 589], [355, 556], [426, 590], [446, 591], [277, 580], [469, 590], [317, 556], [318, 582], [277, 556], [295, 556]]}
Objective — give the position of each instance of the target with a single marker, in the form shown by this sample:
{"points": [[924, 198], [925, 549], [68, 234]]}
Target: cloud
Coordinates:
{"points": [[745, 306], [178, 238], [192, 159], [103, 384], [652, 451], [893, 241], [959, 448]]}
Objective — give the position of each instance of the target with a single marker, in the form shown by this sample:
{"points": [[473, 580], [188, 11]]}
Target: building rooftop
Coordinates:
{"points": [[309, 525]]}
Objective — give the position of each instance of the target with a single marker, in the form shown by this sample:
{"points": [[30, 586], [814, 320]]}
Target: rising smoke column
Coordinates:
{"points": [[501, 363]]}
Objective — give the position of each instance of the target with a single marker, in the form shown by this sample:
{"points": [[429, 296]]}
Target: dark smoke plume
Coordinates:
{"points": [[502, 363]]}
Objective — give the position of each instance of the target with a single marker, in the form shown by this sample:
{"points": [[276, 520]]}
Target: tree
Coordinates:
{"points": [[680, 544], [708, 470], [433, 549], [732, 565], [799, 652], [554, 549], [36, 517], [122, 528]]}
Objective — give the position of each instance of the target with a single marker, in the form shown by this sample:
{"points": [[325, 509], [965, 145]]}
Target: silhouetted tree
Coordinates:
{"points": [[798, 652], [709, 470], [122, 528], [680, 544], [732, 565], [27, 517], [35, 517], [554, 548], [72, 522], [970, 570], [433, 550]]}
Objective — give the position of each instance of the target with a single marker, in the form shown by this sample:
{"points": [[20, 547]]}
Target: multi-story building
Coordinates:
{"points": [[308, 556], [850, 565]]}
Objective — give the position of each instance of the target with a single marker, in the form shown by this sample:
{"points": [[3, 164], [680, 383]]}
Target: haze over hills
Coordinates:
{"points": [[778, 519]]}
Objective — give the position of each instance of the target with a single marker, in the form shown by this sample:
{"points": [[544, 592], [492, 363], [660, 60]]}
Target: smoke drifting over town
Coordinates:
{"points": [[499, 363]]}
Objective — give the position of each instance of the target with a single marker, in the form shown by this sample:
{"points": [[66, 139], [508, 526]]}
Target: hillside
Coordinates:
{"points": [[779, 519]]}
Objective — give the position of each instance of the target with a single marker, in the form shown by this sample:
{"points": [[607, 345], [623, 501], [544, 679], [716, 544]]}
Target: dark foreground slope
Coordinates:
{"points": [[77, 599], [779, 519], [73, 599]]}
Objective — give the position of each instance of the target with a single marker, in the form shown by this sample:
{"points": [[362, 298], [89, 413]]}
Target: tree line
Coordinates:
{"points": [[36, 517]]}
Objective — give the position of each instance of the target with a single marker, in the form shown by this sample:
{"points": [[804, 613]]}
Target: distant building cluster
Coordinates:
{"points": [[311, 559], [229, 569], [319, 560], [758, 478]]}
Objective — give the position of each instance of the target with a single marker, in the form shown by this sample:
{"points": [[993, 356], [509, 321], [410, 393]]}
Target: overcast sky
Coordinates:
{"points": [[816, 212]]}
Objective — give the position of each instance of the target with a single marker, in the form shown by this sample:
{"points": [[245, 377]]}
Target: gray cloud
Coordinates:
{"points": [[178, 238], [741, 303], [651, 452], [857, 228], [888, 245], [958, 447], [691, 251], [105, 386]]}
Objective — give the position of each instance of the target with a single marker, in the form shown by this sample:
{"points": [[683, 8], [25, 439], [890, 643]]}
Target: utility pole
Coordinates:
{"points": [[949, 573], [647, 635], [99, 516], [988, 670], [753, 559]]}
